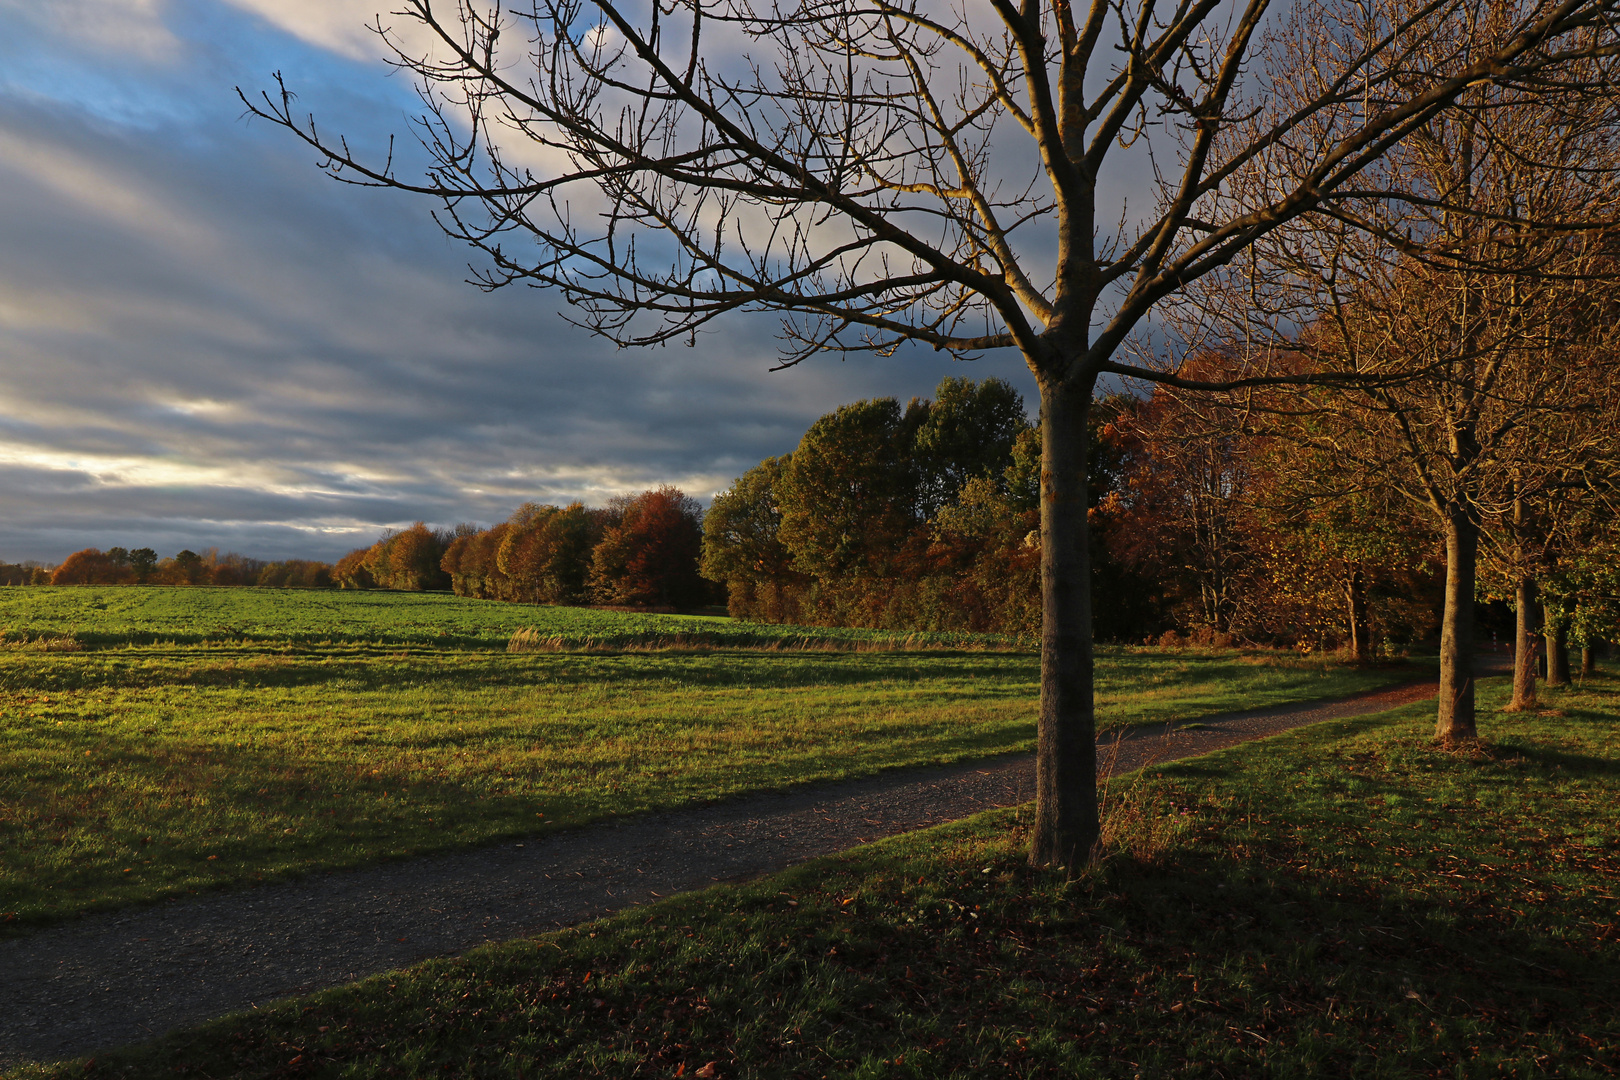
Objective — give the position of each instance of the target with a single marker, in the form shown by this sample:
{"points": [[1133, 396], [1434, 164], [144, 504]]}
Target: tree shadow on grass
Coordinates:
{"points": [[945, 954], [1548, 758]]}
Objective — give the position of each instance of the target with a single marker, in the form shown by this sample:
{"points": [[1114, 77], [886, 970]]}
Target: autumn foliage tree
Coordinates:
{"points": [[545, 553], [649, 556], [472, 561], [92, 566]]}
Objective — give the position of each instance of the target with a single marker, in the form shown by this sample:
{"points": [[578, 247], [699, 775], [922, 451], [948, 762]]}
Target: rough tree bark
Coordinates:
{"points": [[1360, 625], [1525, 643], [1455, 722], [1555, 636], [1066, 823]]}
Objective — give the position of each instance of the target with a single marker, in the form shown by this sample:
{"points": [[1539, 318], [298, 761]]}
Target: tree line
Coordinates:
{"points": [[1211, 521], [927, 517], [638, 551], [923, 516], [1251, 518], [141, 566]]}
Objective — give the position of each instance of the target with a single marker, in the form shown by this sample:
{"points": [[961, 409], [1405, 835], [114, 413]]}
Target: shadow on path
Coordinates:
{"points": [[111, 979]]}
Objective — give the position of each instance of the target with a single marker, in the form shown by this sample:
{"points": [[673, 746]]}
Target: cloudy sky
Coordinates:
{"points": [[205, 342]]}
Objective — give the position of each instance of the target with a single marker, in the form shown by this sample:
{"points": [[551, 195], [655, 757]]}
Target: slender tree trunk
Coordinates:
{"points": [[1524, 646], [1455, 722], [1588, 659], [1066, 827], [1556, 636], [1360, 628]]}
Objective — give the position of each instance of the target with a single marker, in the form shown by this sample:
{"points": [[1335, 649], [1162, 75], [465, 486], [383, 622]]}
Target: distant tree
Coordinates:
{"points": [[143, 562], [231, 568], [295, 574], [968, 431], [848, 495], [91, 567], [186, 568], [550, 561], [189, 566], [379, 560], [413, 559], [649, 558], [743, 551], [937, 509], [351, 572], [520, 556], [473, 566]]}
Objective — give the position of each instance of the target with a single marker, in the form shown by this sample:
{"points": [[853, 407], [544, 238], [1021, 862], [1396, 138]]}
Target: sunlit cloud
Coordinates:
{"points": [[347, 28]]}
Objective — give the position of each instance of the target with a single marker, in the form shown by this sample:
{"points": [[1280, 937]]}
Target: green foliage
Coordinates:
{"points": [[848, 494], [969, 432], [925, 518], [743, 550], [1344, 900]]}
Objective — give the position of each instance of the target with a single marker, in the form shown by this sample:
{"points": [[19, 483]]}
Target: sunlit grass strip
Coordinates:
{"points": [[106, 617], [1344, 900], [773, 639]]}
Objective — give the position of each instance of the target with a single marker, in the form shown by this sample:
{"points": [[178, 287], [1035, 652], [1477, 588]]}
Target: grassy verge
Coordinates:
{"points": [[132, 774], [1344, 900]]}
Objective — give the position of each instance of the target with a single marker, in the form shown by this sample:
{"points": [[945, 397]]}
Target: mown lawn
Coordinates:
{"points": [[1343, 900], [135, 773]]}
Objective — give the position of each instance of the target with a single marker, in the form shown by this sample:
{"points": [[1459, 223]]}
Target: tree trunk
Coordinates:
{"points": [[1066, 826], [1360, 627], [1524, 646], [1455, 722], [1556, 635], [1588, 660]]}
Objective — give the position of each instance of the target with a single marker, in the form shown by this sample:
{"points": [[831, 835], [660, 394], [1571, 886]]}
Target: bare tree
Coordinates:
{"points": [[1477, 305], [892, 171]]}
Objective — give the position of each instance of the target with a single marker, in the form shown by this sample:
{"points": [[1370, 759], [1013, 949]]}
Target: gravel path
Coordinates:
{"points": [[107, 980]]}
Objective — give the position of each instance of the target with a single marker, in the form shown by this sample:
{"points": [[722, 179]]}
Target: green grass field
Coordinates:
{"points": [[144, 615], [1345, 900], [132, 773]]}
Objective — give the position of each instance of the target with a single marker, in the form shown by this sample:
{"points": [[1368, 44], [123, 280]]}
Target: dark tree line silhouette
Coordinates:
{"points": [[120, 566]]}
